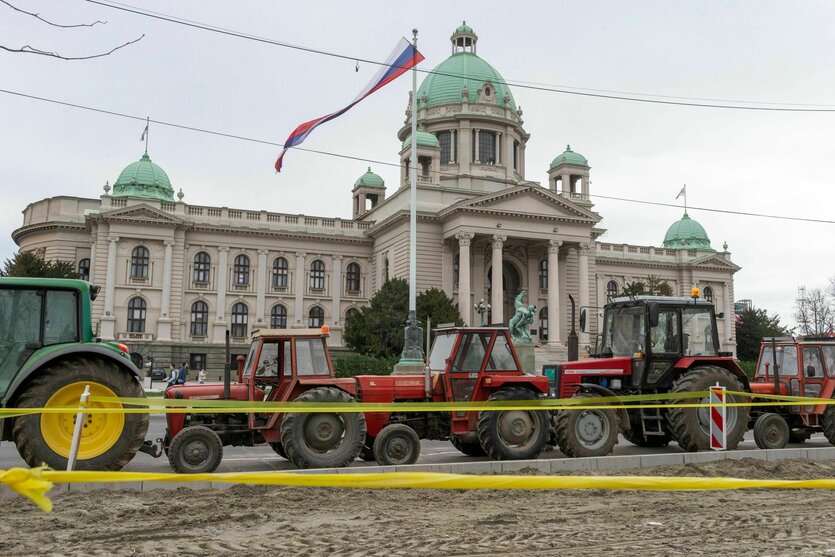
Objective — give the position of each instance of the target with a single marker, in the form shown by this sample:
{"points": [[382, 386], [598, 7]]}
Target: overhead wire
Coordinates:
{"points": [[375, 161]]}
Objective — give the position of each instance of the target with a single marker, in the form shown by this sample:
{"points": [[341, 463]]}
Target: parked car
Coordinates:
{"points": [[157, 374]]}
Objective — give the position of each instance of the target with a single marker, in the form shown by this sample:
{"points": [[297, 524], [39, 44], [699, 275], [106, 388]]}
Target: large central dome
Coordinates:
{"points": [[446, 83]]}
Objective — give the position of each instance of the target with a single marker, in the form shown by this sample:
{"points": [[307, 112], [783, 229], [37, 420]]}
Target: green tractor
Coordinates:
{"points": [[47, 356]]}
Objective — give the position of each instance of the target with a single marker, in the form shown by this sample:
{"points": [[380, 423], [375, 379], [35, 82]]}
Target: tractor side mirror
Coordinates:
{"points": [[583, 320], [652, 310]]}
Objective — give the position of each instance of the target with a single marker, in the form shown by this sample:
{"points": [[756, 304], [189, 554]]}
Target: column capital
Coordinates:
{"points": [[112, 239], [583, 248], [498, 241], [263, 252], [301, 254], [445, 248], [554, 246], [169, 242], [464, 238], [223, 248], [338, 257]]}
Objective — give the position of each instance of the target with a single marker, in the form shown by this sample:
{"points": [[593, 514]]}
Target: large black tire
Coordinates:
{"points": [[583, 433], [691, 426], [396, 444], [828, 423], [469, 448], [635, 434], [323, 439], [771, 431], [512, 434], [279, 450], [127, 431], [195, 450]]}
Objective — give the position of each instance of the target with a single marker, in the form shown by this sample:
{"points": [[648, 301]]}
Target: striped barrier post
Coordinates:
{"points": [[718, 433]]}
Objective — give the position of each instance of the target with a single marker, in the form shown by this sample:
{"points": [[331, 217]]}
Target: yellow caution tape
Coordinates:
{"points": [[34, 483]]}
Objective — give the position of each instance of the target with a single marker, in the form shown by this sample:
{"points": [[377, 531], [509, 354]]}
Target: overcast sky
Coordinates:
{"points": [[766, 162]]}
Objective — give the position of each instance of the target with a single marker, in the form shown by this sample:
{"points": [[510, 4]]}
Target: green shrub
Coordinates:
{"points": [[348, 366], [749, 367]]}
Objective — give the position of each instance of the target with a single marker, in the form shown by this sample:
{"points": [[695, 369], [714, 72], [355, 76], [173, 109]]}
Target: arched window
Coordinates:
{"points": [[611, 290], [199, 319], [84, 269], [543, 324], [707, 294], [352, 277], [317, 275], [278, 317], [316, 317], [139, 260], [352, 312], [202, 264], [456, 267], [543, 274], [240, 272], [137, 309], [281, 273], [240, 317]]}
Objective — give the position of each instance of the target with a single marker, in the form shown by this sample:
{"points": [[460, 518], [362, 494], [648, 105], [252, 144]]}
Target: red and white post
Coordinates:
{"points": [[718, 433]]}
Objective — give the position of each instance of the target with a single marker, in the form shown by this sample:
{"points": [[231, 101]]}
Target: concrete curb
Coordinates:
{"points": [[542, 466]]}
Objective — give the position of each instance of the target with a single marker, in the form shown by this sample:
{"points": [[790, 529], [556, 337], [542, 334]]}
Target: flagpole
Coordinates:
{"points": [[147, 132], [685, 199]]}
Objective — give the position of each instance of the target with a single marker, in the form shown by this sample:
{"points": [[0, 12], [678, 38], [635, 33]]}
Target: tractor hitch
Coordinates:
{"points": [[153, 448]]}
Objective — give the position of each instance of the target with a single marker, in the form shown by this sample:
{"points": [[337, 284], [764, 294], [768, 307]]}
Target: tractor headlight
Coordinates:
{"points": [[616, 384]]}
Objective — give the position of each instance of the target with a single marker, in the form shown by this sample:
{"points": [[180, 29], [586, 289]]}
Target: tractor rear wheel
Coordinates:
{"points": [[771, 431], [108, 441], [691, 426], [396, 444], [582, 433], [195, 450], [828, 423], [512, 434], [635, 434], [323, 439], [279, 450], [469, 448]]}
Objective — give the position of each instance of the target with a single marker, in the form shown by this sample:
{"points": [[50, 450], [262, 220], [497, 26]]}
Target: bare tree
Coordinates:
{"points": [[814, 312], [28, 49]]}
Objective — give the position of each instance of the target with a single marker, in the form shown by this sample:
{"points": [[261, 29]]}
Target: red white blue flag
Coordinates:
{"points": [[403, 58]]}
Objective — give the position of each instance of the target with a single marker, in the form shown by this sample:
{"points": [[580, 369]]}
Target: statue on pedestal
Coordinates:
{"points": [[520, 323]]}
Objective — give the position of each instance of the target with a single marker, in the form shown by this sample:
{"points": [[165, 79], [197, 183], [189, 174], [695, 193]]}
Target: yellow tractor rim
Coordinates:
{"points": [[99, 431]]}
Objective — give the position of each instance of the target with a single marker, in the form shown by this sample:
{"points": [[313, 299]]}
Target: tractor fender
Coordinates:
{"points": [[726, 363], [623, 417], [44, 357]]}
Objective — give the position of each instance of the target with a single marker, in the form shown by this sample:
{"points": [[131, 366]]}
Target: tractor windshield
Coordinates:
{"points": [[786, 361], [624, 330], [441, 350]]}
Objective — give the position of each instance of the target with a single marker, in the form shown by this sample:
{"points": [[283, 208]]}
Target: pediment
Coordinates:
{"points": [[530, 201], [141, 213], [714, 261]]}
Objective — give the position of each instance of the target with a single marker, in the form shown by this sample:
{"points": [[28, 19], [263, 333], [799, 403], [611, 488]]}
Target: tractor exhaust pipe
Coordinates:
{"points": [[427, 373], [573, 341], [227, 371]]}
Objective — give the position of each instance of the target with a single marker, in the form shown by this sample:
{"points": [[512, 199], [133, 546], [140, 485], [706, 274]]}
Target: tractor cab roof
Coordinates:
{"points": [[286, 333], [662, 300], [457, 329], [807, 339]]}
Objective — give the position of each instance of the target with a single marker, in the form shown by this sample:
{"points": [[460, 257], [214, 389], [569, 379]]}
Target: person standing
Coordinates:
{"points": [[172, 376], [182, 374], [201, 376]]}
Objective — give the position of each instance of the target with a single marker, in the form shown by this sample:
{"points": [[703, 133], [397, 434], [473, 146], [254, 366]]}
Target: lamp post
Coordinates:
{"points": [[481, 309]]}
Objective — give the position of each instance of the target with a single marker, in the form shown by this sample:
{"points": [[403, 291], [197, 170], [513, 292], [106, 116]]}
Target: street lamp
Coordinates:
{"points": [[480, 308]]}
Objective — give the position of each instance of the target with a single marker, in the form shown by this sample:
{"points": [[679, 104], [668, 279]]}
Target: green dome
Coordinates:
{"points": [[464, 28], [569, 157], [424, 139], [144, 179], [445, 85], [686, 234], [369, 179]]}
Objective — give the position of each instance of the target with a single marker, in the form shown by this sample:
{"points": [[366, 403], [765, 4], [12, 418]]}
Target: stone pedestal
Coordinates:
{"points": [[408, 367], [527, 358]]}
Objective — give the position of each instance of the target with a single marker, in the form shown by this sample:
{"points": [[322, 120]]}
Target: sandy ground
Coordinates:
{"points": [[270, 521]]}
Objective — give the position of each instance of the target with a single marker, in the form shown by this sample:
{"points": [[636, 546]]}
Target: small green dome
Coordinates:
{"points": [[144, 179], [424, 139], [464, 28], [569, 157], [686, 234], [369, 179]]}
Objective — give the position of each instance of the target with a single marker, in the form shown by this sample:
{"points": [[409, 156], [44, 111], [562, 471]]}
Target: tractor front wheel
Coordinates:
{"points": [[512, 434], [323, 439], [691, 426], [108, 441], [582, 433], [771, 431], [396, 444], [469, 448], [828, 423], [195, 450]]}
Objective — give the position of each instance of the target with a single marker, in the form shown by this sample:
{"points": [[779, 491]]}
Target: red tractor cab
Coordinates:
{"points": [[647, 345], [465, 364], [803, 366], [282, 365]]}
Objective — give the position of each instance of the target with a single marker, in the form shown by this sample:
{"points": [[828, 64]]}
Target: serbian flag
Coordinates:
{"points": [[403, 58]]}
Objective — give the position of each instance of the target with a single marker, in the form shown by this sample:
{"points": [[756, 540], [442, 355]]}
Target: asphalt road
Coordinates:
{"points": [[252, 459]]}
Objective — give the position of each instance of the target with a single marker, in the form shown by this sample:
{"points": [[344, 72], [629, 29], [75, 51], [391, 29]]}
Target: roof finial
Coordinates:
{"points": [[369, 169], [568, 147]]}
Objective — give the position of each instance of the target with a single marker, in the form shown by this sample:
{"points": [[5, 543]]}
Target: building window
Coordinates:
{"points": [[456, 267], [240, 274], [240, 317], [543, 274], [351, 313], [707, 294], [487, 147], [543, 324], [84, 269], [317, 275], [316, 317], [352, 278], [445, 141], [386, 270], [278, 317], [611, 290], [281, 273], [137, 309], [515, 155], [196, 362], [139, 260], [202, 264], [199, 319]]}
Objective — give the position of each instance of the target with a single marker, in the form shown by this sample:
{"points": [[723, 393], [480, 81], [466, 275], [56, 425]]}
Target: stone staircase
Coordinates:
{"points": [[549, 354]]}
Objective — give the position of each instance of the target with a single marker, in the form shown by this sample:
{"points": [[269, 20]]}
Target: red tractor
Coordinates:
{"points": [[648, 345], [282, 365], [464, 365], [802, 366]]}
